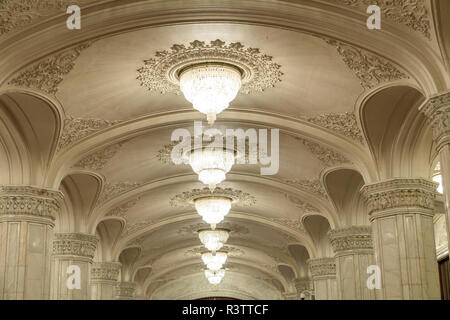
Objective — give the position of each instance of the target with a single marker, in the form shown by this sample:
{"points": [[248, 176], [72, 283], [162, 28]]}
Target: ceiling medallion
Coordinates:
{"points": [[187, 198], [162, 72]]}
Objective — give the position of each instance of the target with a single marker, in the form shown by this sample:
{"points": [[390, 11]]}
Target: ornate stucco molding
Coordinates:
{"points": [[125, 290], [410, 13], [187, 198], [76, 129], [312, 186], [112, 190], [140, 224], [231, 251], [305, 207], [351, 238], [437, 111], [98, 160], [234, 228], [120, 211], [322, 267], [160, 73], [400, 193], [327, 156], [105, 271], [343, 123], [295, 224], [18, 14], [49, 73], [368, 67], [74, 244], [30, 201]]}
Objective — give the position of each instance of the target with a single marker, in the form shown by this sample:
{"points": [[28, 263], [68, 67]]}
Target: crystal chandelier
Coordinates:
{"points": [[211, 164], [213, 240], [214, 261], [210, 87], [215, 277], [213, 208]]}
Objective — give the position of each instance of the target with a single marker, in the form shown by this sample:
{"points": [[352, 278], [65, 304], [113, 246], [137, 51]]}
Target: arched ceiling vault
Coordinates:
{"points": [[106, 126]]}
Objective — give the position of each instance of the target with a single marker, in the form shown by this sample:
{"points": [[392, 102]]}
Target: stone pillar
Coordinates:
{"points": [[125, 290], [27, 217], [71, 252], [353, 250], [401, 214], [437, 111], [104, 280], [303, 287], [323, 271]]}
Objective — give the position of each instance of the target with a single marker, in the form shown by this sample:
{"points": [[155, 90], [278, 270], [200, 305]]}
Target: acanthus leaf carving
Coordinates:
{"points": [[99, 159], [112, 190], [122, 209], [327, 156]]}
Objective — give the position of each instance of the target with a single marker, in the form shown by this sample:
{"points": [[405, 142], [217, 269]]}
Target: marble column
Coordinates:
{"points": [[104, 280], [353, 249], [303, 287], [323, 271], [437, 111], [72, 257], [401, 214], [125, 291], [27, 217]]}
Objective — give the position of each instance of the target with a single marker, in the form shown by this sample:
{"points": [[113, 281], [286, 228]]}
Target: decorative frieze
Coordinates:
{"points": [[371, 69], [105, 271], [343, 123], [410, 13], [112, 190], [237, 196], [322, 267], [327, 156], [351, 238], [312, 186], [231, 251], [31, 201], [397, 193], [99, 159], [295, 224], [160, 73], [437, 111], [234, 228], [305, 207], [49, 73], [76, 129], [121, 210], [125, 290], [74, 244]]}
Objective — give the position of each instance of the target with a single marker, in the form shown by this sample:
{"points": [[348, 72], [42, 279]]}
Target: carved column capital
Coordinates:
{"points": [[78, 245], [125, 290], [322, 267], [394, 196], [351, 239], [105, 271], [29, 201], [437, 111]]}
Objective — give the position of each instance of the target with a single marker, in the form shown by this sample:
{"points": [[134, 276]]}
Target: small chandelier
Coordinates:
{"points": [[210, 87], [213, 240], [214, 261], [211, 164], [215, 277], [213, 209]]}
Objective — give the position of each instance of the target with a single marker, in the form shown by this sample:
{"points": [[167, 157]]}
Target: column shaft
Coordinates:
{"points": [[444, 157], [401, 212], [353, 249], [104, 280], [72, 252], [323, 271], [26, 227]]}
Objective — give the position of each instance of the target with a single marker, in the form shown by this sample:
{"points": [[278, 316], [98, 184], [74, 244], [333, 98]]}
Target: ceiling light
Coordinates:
{"points": [[211, 164], [212, 208], [210, 87], [214, 261], [215, 277], [213, 239]]}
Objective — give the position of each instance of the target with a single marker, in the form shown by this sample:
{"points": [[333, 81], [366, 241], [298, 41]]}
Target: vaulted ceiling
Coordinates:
{"points": [[75, 117]]}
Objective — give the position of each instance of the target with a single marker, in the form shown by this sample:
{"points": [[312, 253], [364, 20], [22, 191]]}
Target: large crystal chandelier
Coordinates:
{"points": [[215, 276], [210, 87], [213, 208], [213, 240], [214, 261], [211, 164]]}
